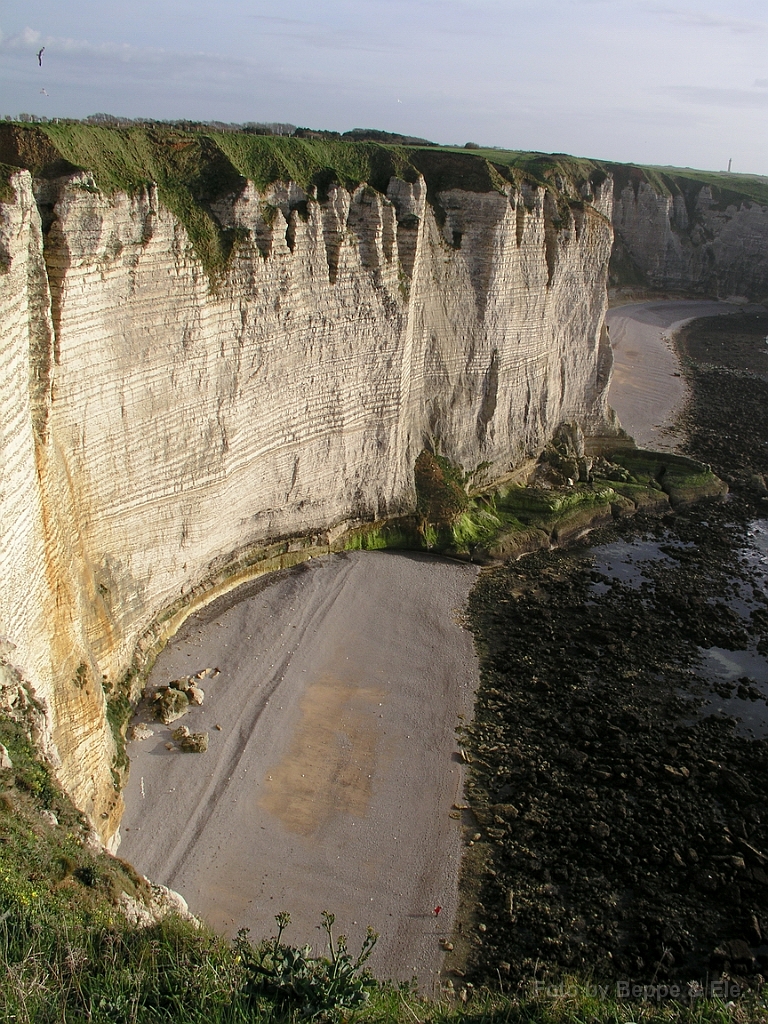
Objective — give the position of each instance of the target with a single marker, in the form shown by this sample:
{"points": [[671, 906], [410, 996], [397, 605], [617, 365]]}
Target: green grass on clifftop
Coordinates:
{"points": [[194, 169], [727, 189]]}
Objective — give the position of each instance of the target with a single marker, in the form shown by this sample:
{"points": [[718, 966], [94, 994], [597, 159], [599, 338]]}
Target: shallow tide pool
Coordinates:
{"points": [[735, 682]]}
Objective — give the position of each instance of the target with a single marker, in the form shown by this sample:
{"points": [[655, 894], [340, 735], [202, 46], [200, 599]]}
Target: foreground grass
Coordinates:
{"points": [[55, 972], [52, 972], [69, 954]]}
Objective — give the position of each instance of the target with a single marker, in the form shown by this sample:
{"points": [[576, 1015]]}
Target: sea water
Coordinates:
{"points": [[742, 671]]}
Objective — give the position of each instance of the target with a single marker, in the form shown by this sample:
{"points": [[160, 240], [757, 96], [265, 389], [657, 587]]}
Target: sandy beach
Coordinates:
{"points": [[646, 388], [331, 781]]}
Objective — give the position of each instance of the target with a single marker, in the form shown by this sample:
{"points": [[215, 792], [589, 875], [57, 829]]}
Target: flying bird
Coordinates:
{"points": [[40, 53], [43, 92]]}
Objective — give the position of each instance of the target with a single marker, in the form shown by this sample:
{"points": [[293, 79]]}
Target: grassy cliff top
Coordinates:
{"points": [[726, 187], [193, 169], [213, 163], [210, 164]]}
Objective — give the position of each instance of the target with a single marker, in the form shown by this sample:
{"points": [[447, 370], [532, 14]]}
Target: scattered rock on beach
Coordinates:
{"points": [[191, 742], [140, 731], [173, 701], [170, 704], [624, 775]]}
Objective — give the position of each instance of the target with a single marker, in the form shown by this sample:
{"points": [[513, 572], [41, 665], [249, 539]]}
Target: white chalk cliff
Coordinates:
{"points": [[691, 239], [154, 426]]}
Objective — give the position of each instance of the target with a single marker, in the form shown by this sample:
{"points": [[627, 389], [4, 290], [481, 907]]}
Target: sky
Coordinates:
{"points": [[671, 82]]}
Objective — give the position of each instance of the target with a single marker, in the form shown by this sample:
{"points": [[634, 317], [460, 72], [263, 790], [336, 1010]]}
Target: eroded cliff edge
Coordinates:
{"points": [[158, 422], [694, 233]]}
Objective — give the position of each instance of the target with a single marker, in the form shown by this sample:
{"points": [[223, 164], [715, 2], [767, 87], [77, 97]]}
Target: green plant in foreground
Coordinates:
{"points": [[316, 987], [68, 955]]}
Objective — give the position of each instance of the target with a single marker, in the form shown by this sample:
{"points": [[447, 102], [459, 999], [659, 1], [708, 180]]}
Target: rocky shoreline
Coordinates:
{"points": [[618, 806]]}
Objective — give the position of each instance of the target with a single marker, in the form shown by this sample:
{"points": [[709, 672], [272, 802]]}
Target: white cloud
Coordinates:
{"points": [[720, 97], [701, 19], [30, 37]]}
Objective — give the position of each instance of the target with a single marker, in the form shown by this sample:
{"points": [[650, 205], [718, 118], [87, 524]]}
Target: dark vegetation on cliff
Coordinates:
{"points": [[727, 189], [192, 170]]}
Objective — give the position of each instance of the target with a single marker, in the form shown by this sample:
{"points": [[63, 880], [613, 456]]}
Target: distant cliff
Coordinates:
{"points": [[216, 350], [691, 233]]}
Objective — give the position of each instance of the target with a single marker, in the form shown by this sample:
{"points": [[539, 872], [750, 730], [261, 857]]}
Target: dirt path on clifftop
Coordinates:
{"points": [[331, 781]]}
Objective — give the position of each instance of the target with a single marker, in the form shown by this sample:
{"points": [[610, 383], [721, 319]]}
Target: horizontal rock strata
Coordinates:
{"points": [[154, 423]]}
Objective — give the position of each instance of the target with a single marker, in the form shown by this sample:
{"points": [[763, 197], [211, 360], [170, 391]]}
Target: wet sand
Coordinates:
{"points": [[646, 388], [332, 779]]}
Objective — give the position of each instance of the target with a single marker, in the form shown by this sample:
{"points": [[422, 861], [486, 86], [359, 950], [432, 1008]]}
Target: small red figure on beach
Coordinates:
{"points": [[437, 910]]}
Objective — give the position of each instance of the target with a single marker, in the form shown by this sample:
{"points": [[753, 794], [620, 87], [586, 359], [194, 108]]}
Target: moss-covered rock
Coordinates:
{"points": [[190, 742], [170, 704]]}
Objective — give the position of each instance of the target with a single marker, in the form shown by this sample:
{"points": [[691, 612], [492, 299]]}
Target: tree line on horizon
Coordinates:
{"points": [[247, 128]]}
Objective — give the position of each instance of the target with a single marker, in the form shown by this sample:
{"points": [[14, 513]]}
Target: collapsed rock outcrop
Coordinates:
{"points": [[163, 903], [174, 700]]}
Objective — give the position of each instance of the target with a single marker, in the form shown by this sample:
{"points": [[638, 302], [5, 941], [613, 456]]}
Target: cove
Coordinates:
{"points": [[332, 780]]}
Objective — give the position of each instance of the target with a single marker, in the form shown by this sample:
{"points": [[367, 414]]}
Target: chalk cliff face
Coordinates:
{"points": [[690, 239], [43, 600], [153, 425]]}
